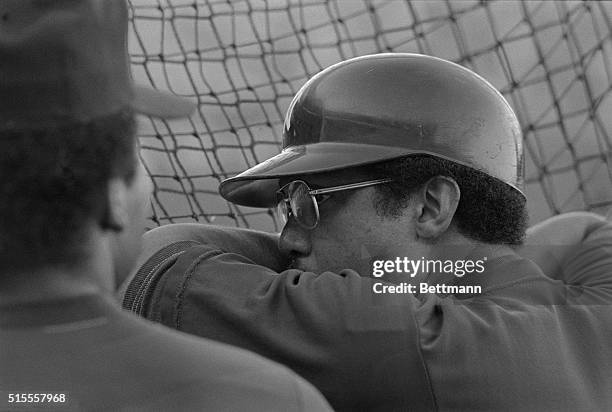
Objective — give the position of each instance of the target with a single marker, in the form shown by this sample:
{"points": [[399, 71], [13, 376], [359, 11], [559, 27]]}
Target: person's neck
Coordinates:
{"points": [[464, 249], [452, 247], [468, 248], [92, 276]]}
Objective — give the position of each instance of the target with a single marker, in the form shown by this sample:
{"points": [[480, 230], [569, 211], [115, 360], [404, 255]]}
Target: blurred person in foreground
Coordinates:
{"points": [[73, 208], [389, 160]]}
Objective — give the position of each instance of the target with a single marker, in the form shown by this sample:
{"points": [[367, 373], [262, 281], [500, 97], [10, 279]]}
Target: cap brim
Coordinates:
{"points": [[257, 186], [161, 104]]}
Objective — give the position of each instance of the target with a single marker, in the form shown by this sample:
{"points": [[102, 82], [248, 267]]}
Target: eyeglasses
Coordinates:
{"points": [[300, 201]]}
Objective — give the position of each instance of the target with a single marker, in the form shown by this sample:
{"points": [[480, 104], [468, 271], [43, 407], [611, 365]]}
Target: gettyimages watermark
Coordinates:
{"points": [[413, 267], [534, 276], [421, 267], [541, 274]]}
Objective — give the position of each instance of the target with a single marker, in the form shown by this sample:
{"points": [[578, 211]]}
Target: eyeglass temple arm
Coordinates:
{"points": [[348, 186]]}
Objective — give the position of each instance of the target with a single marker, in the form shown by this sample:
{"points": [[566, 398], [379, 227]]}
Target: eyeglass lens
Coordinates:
{"points": [[301, 205]]}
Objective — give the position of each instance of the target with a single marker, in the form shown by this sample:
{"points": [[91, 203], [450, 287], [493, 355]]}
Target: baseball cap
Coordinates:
{"points": [[67, 60]]}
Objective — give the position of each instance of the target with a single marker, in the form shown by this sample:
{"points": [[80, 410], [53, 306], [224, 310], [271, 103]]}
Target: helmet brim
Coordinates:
{"points": [[156, 103], [257, 186]]}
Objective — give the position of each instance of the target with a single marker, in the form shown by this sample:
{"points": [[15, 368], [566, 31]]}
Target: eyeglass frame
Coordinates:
{"points": [[314, 192]]}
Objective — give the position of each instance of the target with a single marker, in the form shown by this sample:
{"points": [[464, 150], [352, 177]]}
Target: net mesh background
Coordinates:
{"points": [[243, 61]]}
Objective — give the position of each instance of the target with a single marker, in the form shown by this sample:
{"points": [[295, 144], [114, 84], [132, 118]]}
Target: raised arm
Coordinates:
{"points": [[260, 247], [552, 242]]}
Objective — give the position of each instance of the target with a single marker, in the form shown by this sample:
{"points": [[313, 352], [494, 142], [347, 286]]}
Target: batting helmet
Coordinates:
{"points": [[384, 106]]}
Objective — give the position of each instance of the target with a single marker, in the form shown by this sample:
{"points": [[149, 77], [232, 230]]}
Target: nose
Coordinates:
{"points": [[294, 240]]}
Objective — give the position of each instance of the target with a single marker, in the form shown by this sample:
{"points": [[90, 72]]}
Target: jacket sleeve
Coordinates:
{"points": [[588, 268], [330, 327]]}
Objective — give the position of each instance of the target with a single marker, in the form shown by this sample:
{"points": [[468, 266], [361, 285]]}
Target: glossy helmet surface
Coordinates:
{"points": [[384, 106]]}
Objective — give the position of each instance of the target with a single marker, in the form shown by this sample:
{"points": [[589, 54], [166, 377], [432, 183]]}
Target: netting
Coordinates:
{"points": [[244, 60]]}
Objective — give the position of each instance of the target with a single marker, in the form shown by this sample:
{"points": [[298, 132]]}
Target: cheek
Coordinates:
{"points": [[128, 243], [127, 247], [141, 208], [345, 240]]}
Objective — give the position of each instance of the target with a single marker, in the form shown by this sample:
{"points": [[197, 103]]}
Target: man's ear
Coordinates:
{"points": [[438, 198], [115, 215]]}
